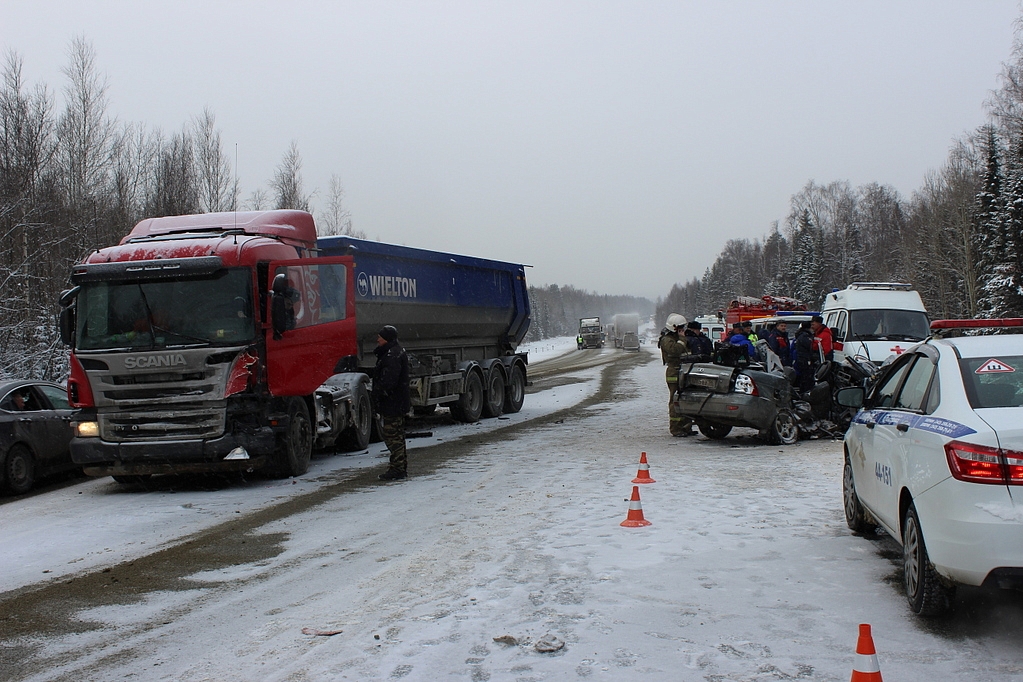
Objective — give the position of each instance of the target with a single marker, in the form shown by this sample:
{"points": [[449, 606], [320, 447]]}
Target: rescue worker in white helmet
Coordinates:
{"points": [[673, 346]]}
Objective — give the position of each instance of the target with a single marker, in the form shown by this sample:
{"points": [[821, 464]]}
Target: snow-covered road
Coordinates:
{"points": [[499, 538]]}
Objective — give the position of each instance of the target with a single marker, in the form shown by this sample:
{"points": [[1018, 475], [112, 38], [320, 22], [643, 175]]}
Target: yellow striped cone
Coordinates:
{"points": [[643, 475], [635, 518], [866, 668]]}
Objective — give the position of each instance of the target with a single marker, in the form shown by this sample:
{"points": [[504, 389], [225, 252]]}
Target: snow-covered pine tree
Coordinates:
{"points": [[1002, 286], [987, 237], [808, 260]]}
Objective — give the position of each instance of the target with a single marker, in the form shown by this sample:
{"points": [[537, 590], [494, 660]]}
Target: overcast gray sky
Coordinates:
{"points": [[613, 146]]}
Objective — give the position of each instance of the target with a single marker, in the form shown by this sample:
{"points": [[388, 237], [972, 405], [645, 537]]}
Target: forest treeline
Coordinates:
{"points": [[958, 239], [556, 310], [74, 178]]}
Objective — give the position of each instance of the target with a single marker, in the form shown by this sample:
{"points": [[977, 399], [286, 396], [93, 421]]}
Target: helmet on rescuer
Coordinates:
{"points": [[675, 320]]}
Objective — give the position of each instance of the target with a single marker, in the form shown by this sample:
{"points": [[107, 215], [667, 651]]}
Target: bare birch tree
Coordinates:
{"points": [[287, 181], [216, 186], [336, 218]]}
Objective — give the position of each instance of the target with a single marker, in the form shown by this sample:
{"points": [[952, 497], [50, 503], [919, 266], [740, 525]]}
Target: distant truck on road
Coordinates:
{"points": [[590, 333], [238, 341], [626, 325]]}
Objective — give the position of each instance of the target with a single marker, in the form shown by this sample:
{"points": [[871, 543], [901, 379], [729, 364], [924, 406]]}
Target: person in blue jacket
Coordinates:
{"points": [[739, 338]]}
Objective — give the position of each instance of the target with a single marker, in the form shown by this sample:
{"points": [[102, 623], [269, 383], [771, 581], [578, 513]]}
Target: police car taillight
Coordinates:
{"points": [[982, 464]]}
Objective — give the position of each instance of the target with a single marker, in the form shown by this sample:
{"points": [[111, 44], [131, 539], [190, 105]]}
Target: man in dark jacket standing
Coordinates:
{"points": [[698, 343], [391, 399], [778, 341], [803, 356]]}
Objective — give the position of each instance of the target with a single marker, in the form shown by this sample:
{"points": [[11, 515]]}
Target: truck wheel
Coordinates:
{"points": [[356, 436], [515, 391], [294, 448], [714, 431], [493, 403], [784, 430], [19, 470], [469, 406]]}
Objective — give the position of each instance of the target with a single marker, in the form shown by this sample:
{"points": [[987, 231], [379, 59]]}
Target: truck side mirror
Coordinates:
{"points": [[282, 306], [66, 324], [66, 317]]}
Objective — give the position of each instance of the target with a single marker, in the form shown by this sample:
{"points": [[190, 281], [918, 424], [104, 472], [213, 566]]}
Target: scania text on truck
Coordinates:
{"points": [[233, 341]]}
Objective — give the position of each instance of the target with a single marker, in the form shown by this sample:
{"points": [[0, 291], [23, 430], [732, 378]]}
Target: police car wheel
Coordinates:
{"points": [[855, 517], [927, 595]]}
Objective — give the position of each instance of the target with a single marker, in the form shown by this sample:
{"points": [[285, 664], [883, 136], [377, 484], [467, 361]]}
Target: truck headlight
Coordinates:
{"points": [[86, 429]]}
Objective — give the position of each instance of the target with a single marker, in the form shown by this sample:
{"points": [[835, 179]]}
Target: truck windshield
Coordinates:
{"points": [[888, 325], [156, 314]]}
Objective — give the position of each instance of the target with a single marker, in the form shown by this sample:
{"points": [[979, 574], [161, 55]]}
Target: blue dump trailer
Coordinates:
{"points": [[460, 318]]}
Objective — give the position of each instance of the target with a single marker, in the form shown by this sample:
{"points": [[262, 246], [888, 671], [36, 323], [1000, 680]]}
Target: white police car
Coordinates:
{"points": [[935, 456]]}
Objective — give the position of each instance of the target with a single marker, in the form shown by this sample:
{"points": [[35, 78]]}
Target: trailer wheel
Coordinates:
{"points": [[356, 437], [515, 391], [294, 448], [493, 403], [469, 406]]}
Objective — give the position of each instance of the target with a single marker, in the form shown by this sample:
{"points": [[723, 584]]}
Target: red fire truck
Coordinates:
{"points": [[744, 308]]}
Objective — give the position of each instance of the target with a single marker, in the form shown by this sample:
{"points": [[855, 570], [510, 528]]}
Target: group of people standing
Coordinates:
{"points": [[683, 342], [811, 345]]}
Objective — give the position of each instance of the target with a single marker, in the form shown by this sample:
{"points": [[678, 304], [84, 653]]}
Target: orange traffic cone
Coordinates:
{"points": [[643, 476], [866, 668], [635, 518]]}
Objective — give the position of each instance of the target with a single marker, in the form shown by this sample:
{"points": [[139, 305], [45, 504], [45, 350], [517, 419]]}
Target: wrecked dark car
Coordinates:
{"points": [[732, 391]]}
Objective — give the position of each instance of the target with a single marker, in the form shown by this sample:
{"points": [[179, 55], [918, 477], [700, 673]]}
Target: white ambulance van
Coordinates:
{"points": [[875, 320]]}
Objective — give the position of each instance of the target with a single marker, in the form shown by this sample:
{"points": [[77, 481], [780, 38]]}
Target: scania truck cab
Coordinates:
{"points": [[199, 342]]}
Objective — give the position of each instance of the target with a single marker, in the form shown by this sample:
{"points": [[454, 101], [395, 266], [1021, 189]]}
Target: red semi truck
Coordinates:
{"points": [[223, 342]]}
